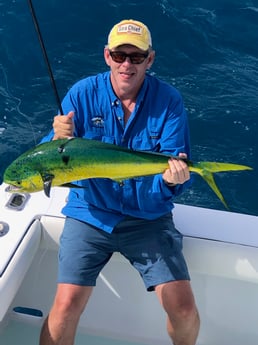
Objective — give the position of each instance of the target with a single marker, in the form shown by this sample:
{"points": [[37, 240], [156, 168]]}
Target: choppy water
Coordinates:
{"points": [[206, 48]]}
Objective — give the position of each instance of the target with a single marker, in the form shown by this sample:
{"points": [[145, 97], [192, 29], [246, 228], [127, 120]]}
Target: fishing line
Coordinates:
{"points": [[41, 41], [13, 103]]}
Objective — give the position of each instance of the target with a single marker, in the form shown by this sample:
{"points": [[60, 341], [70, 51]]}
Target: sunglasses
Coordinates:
{"points": [[135, 58]]}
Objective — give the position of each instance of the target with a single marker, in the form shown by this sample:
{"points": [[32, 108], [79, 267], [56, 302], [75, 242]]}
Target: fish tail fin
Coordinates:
{"points": [[206, 170], [208, 177]]}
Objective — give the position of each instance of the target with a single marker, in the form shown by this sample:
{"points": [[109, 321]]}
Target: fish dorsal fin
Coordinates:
{"points": [[72, 185], [47, 183]]}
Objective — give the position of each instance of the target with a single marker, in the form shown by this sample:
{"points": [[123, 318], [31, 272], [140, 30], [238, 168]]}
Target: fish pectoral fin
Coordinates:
{"points": [[47, 183]]}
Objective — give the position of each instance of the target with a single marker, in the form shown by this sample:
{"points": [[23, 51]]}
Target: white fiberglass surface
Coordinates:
{"points": [[15, 331]]}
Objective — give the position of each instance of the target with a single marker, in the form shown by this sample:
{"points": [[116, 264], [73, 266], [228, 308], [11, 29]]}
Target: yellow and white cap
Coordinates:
{"points": [[132, 32]]}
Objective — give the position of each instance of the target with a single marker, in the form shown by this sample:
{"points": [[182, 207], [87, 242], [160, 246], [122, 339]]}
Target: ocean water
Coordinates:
{"points": [[206, 48]]}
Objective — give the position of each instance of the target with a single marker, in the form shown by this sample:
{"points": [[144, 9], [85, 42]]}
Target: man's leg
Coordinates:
{"points": [[84, 251], [183, 321], [60, 326]]}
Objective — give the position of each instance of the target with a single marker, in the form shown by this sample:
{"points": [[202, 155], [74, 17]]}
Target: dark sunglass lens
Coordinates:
{"points": [[135, 58], [138, 58], [118, 57]]}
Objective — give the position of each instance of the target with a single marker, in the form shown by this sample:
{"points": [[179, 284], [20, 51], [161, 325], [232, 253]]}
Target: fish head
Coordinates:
{"points": [[22, 178]]}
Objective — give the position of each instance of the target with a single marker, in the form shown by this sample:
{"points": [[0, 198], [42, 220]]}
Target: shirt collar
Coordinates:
{"points": [[115, 100]]}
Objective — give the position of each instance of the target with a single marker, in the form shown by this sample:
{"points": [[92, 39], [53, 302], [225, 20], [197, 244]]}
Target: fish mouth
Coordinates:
{"points": [[12, 189]]}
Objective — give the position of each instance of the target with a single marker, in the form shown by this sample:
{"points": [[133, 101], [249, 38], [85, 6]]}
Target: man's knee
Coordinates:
{"points": [[71, 300]]}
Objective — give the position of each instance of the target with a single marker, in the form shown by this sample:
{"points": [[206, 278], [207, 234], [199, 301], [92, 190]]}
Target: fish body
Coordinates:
{"points": [[60, 162]]}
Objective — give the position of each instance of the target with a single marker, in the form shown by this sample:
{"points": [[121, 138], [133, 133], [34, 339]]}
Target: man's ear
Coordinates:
{"points": [[151, 59], [107, 56]]}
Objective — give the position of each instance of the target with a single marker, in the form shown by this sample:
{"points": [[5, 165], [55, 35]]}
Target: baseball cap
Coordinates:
{"points": [[132, 32]]}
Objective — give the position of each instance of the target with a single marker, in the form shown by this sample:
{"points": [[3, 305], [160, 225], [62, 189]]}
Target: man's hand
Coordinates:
{"points": [[63, 126], [178, 171]]}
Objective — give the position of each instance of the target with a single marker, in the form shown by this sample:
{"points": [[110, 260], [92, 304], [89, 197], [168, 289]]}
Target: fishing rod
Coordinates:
{"points": [[41, 41]]}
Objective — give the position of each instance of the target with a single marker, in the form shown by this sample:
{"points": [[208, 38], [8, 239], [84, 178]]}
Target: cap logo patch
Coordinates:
{"points": [[129, 28]]}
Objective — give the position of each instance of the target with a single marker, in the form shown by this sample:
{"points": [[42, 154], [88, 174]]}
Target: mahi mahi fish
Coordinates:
{"points": [[61, 162]]}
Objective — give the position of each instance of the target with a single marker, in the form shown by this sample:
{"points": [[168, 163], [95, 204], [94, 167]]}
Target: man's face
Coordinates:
{"points": [[127, 76]]}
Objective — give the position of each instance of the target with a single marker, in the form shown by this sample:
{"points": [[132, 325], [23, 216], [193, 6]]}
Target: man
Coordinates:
{"points": [[130, 108]]}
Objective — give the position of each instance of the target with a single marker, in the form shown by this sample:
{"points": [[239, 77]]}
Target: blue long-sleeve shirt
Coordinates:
{"points": [[158, 123]]}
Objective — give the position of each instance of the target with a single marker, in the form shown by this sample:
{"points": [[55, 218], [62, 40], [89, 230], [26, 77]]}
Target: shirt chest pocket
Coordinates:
{"points": [[147, 141]]}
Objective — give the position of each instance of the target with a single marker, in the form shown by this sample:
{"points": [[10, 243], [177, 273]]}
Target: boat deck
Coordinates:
{"points": [[221, 250]]}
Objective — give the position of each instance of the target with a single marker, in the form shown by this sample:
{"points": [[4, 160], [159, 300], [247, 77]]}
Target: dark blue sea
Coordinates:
{"points": [[208, 49]]}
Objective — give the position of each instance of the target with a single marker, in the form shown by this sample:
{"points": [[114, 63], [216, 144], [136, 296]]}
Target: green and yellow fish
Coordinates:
{"points": [[60, 162]]}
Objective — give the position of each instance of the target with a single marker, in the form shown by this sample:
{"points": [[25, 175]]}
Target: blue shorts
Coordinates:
{"points": [[153, 247]]}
